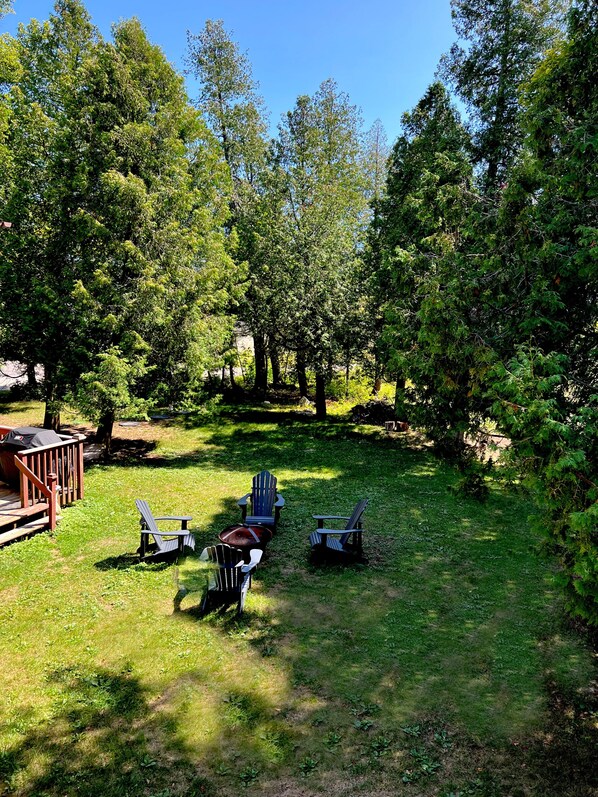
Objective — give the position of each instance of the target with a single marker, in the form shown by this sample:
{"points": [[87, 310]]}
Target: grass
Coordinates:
{"points": [[441, 666]]}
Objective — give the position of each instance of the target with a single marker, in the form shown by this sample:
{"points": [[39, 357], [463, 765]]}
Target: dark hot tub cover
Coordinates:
{"points": [[30, 437]]}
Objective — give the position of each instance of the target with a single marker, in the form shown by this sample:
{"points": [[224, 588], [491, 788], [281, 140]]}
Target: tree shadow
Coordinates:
{"points": [[103, 738]]}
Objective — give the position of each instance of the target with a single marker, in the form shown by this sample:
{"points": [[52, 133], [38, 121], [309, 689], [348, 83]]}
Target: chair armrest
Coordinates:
{"points": [[334, 531], [243, 501], [330, 517], [341, 531], [181, 533], [175, 517], [256, 556], [279, 500]]}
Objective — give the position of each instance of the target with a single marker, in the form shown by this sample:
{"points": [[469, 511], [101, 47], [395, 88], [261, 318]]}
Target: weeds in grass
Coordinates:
{"points": [[443, 739], [308, 764], [248, 776], [412, 730], [332, 739], [380, 746]]}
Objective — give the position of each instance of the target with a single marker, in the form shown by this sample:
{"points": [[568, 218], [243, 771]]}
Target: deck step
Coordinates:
{"points": [[19, 515], [41, 524]]}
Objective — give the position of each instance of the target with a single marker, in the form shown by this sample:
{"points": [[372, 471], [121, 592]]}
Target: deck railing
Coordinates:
{"points": [[53, 473]]}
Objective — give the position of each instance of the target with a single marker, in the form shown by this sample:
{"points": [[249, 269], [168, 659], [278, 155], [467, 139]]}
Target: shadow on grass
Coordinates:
{"points": [[127, 561], [442, 618], [102, 739]]}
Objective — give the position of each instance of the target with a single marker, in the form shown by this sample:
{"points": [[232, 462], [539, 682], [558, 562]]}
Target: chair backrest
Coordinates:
{"points": [[223, 555], [263, 493], [354, 520], [148, 523], [357, 513], [147, 519], [227, 577]]}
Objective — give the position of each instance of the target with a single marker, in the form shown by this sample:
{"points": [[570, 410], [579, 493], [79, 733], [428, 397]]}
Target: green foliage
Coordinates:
{"points": [[318, 198], [120, 215], [109, 388], [501, 42], [556, 445], [229, 100], [545, 393], [425, 276]]}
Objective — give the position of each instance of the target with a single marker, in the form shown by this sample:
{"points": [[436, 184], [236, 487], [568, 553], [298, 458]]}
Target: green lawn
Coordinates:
{"points": [[441, 666]]}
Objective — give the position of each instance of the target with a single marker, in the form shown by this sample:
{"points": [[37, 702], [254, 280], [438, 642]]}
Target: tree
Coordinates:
{"points": [[318, 180], [545, 391], [425, 275], [235, 113], [229, 100], [376, 154], [505, 42], [37, 253], [9, 67], [120, 234]]}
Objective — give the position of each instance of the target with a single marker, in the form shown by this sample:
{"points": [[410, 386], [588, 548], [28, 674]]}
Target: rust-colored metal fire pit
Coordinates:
{"points": [[246, 537]]}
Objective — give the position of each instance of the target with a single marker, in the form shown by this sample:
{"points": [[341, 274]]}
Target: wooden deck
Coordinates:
{"points": [[17, 521], [49, 477]]}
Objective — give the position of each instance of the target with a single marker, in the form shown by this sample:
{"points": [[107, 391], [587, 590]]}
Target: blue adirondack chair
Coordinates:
{"points": [[164, 542], [227, 581], [346, 541], [265, 502]]}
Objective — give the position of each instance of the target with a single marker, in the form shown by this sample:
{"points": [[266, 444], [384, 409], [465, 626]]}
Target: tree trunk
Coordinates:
{"points": [[261, 365], [400, 408], [32, 380], [377, 377], [275, 360], [301, 375], [52, 410], [231, 373], [347, 375], [51, 418], [320, 396], [104, 431]]}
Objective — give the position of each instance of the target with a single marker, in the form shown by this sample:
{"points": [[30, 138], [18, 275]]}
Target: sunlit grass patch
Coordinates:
{"points": [[452, 625]]}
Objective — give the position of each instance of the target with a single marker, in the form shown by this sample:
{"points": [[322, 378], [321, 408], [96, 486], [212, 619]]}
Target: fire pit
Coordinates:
{"points": [[246, 537]]}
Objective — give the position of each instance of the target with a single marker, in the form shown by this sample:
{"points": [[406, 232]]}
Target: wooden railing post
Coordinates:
{"points": [[52, 510], [79, 466], [24, 489]]}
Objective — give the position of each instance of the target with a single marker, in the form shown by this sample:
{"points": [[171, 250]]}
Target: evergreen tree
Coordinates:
{"points": [[504, 42], [318, 179], [235, 113], [546, 393], [425, 274], [118, 234], [229, 99]]}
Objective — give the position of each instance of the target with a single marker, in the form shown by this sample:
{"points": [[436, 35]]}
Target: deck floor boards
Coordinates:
{"points": [[15, 521]]}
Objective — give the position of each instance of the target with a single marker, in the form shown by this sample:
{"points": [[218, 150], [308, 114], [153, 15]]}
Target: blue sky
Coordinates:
{"points": [[383, 53]]}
